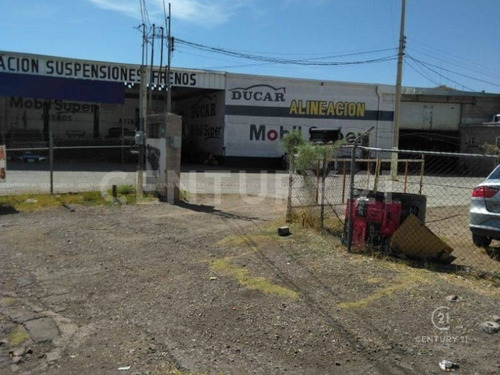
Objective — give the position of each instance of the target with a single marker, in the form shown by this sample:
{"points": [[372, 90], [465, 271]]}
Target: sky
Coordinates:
{"points": [[448, 42]]}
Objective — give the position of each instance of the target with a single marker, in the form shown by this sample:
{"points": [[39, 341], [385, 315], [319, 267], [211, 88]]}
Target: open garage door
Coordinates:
{"points": [[202, 114]]}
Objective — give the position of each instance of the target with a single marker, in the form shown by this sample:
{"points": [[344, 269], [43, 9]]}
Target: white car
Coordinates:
{"points": [[484, 214]]}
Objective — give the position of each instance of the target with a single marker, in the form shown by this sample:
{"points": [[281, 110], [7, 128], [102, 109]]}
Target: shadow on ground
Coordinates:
{"points": [[7, 210], [214, 211]]}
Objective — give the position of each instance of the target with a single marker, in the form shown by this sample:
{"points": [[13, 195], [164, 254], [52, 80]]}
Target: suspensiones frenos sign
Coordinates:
{"points": [[66, 68]]}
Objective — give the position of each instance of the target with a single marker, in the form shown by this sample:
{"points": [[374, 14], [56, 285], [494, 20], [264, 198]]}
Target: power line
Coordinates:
{"points": [[144, 13], [421, 73], [181, 50], [353, 54], [307, 62], [320, 54], [453, 72], [439, 74], [459, 65], [454, 56]]}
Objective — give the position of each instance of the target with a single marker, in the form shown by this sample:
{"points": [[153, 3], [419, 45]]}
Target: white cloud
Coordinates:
{"points": [[202, 12], [127, 7]]}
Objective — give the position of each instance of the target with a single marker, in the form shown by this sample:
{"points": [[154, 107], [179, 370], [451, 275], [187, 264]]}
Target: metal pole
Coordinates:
{"points": [[142, 131], [51, 161], [367, 175], [317, 180], [290, 184], [350, 223], [123, 137], [377, 175], [169, 59], [397, 105], [323, 192], [406, 175], [343, 183], [161, 54], [422, 175], [150, 99], [143, 44]]}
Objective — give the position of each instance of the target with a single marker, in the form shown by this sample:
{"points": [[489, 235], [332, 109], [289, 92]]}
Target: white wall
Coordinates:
{"points": [[260, 110], [430, 116]]}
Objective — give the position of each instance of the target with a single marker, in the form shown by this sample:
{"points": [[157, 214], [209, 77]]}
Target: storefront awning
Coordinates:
{"points": [[43, 87]]}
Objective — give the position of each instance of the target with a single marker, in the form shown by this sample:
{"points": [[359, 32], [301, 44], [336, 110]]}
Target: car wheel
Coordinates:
{"points": [[481, 241]]}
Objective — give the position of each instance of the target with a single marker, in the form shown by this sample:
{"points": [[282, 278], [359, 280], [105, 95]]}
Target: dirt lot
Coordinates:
{"points": [[202, 289]]}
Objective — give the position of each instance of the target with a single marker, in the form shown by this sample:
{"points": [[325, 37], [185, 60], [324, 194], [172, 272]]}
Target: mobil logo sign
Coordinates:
{"points": [[267, 133]]}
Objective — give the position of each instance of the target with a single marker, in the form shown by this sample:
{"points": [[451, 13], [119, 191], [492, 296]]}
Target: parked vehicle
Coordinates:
{"points": [[484, 214], [28, 143], [116, 132], [25, 138], [494, 120]]}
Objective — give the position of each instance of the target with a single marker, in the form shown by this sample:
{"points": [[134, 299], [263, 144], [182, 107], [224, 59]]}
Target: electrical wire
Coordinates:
{"points": [[321, 54], [421, 73], [459, 65], [453, 72], [274, 60], [183, 50], [145, 13], [180, 49], [454, 57], [439, 74]]}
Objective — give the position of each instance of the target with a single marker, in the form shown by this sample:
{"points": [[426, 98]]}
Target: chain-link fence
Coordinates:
{"points": [[319, 194], [421, 210], [63, 166]]}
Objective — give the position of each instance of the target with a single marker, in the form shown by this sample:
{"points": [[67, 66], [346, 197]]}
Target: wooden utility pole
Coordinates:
{"points": [[397, 105]]}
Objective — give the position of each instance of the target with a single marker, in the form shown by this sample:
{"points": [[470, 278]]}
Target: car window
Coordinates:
{"points": [[495, 175]]}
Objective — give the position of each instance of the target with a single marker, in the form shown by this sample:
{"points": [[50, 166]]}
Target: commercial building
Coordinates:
{"points": [[234, 117]]}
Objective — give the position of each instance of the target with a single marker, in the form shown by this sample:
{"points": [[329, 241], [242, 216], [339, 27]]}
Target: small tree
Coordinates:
{"points": [[308, 154], [291, 141]]}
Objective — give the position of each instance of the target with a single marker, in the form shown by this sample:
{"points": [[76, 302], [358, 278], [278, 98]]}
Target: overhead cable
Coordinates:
{"points": [[453, 72], [274, 60]]}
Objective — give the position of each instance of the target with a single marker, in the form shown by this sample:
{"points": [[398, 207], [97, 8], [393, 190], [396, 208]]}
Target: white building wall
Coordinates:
{"points": [[260, 110], [430, 116]]}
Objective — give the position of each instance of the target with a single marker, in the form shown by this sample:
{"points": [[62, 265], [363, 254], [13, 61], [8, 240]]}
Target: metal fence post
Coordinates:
{"points": [[51, 161], [323, 178], [317, 180], [343, 183], [422, 168], [350, 223], [290, 184]]}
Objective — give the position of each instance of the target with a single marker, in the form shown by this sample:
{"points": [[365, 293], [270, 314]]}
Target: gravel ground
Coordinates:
{"points": [[212, 289]]}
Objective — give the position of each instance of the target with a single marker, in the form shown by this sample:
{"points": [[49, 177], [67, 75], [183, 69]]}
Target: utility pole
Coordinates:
{"points": [[143, 43], [169, 59], [142, 117], [161, 55], [397, 105], [151, 76]]}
